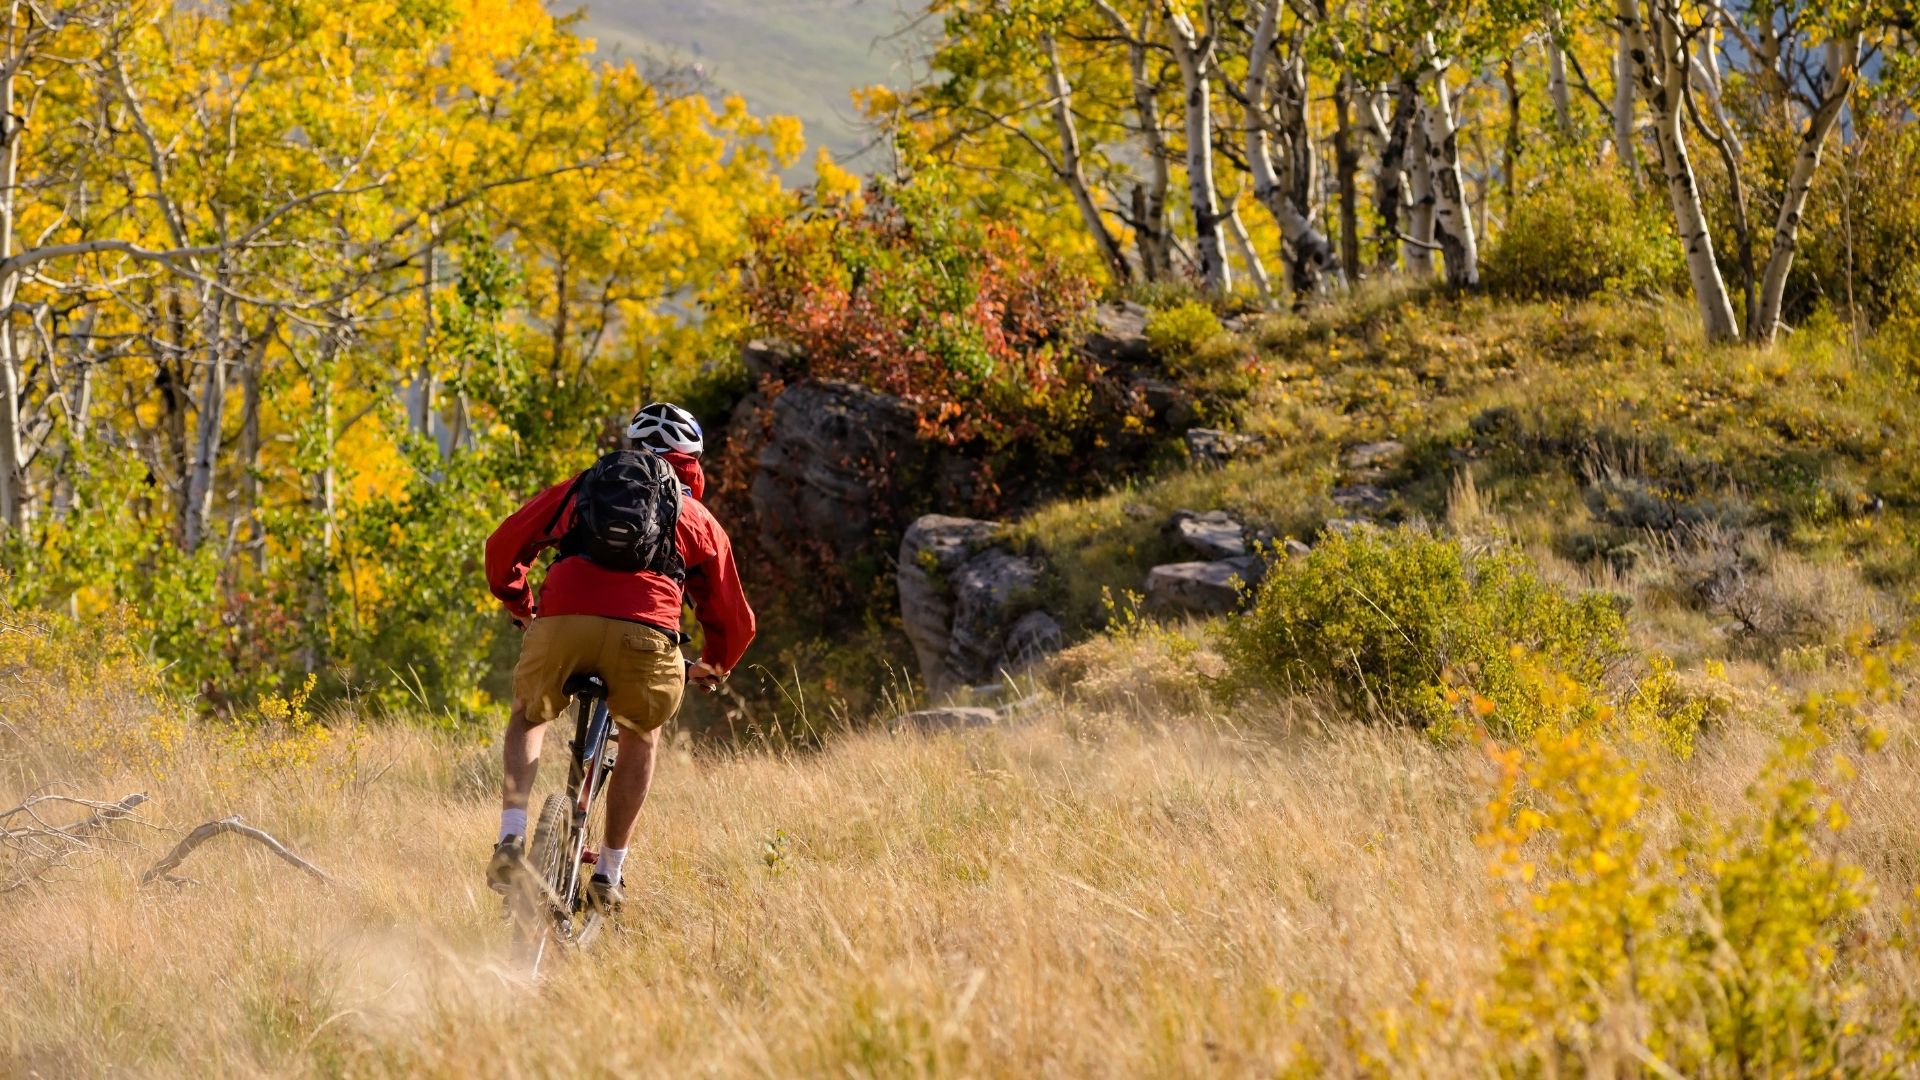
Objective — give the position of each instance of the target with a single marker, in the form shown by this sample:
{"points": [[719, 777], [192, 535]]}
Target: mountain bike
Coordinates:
{"points": [[550, 907]]}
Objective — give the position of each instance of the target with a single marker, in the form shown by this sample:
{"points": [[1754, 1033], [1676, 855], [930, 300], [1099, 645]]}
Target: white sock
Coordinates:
{"points": [[611, 859], [513, 823]]}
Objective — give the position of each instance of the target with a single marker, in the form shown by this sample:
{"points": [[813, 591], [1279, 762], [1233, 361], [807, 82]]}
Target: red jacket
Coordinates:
{"points": [[578, 587]]}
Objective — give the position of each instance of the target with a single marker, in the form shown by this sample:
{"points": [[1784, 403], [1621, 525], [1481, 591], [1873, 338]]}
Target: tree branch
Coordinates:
{"points": [[163, 869]]}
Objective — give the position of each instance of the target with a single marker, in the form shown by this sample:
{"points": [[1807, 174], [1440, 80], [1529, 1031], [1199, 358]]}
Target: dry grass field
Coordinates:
{"points": [[1115, 885]]}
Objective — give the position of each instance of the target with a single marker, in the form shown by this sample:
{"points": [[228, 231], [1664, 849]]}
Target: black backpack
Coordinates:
{"points": [[626, 509]]}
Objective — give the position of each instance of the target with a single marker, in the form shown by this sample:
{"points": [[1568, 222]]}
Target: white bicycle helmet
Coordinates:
{"points": [[662, 427]]}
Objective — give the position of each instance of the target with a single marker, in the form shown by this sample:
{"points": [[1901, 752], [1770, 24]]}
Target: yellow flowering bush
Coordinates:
{"points": [[279, 733], [1737, 950], [74, 690]]}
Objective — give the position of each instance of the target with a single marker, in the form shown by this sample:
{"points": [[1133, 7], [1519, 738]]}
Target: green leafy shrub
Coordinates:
{"points": [[1203, 357], [1583, 232], [1408, 626], [1183, 331]]}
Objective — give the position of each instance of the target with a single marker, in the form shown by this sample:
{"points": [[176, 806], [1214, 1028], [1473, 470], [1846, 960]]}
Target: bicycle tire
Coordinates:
{"points": [[551, 845], [546, 858]]}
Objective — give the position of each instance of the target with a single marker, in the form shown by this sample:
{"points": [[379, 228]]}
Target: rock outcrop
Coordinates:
{"points": [[1212, 535], [1373, 461], [1361, 498], [1119, 336], [969, 607], [1202, 588], [839, 464], [1215, 448], [951, 718], [989, 591], [766, 359], [1034, 637]]}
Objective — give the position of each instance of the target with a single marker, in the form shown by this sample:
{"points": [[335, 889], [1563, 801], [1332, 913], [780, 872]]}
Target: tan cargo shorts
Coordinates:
{"points": [[642, 667]]}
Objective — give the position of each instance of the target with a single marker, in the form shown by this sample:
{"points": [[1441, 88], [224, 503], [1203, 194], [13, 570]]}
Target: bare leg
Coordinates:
{"points": [[520, 758], [627, 791]]}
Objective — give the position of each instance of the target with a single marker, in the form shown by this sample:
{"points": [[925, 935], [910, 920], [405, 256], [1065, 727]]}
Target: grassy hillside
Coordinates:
{"points": [[1596, 431], [1105, 889], [1182, 855], [795, 57]]}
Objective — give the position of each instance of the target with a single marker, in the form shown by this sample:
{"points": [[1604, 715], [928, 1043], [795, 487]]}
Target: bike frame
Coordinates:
{"points": [[587, 771], [588, 767]]}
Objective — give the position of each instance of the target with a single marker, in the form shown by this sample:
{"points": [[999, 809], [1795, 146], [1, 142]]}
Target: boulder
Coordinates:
{"points": [[989, 591], [1295, 549], [1212, 535], [933, 550], [1361, 498], [830, 444], [1169, 403], [1242, 323], [1119, 336], [769, 359], [1213, 447], [967, 606], [952, 718], [1034, 637], [1371, 461], [1202, 588]]}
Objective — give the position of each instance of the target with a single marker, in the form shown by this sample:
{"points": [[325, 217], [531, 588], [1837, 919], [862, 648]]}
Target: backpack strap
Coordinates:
{"points": [[565, 502]]}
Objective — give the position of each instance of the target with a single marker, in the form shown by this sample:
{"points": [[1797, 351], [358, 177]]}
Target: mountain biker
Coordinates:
{"points": [[622, 625]]}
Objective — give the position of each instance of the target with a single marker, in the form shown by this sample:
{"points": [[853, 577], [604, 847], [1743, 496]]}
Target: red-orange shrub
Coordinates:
{"points": [[901, 292]]}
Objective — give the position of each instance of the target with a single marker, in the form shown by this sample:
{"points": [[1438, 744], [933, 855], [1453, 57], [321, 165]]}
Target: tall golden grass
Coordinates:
{"points": [[1102, 888]]}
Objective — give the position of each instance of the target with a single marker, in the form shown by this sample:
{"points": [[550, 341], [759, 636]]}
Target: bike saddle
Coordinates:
{"points": [[586, 686]]}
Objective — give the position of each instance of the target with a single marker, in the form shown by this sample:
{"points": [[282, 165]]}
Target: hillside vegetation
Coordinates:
{"points": [[1124, 884], [1172, 859], [1540, 383]]}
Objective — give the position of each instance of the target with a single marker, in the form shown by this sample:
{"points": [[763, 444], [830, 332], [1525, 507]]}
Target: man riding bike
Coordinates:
{"points": [[634, 542]]}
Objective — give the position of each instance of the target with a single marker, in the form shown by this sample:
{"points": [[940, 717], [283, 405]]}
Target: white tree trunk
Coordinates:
{"points": [[1346, 168], [13, 516], [1149, 199], [1249, 256], [1389, 184], [13, 479], [1660, 67], [1196, 74], [1452, 223], [1842, 66], [211, 412], [1623, 148], [1312, 254], [1557, 76], [1708, 59], [1071, 171], [1418, 250], [418, 394]]}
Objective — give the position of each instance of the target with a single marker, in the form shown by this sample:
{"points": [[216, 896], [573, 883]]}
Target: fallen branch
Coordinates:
{"points": [[33, 848], [104, 813], [162, 869]]}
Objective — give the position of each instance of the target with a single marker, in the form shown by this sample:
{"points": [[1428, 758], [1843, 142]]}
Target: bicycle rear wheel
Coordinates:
{"points": [[538, 901]]}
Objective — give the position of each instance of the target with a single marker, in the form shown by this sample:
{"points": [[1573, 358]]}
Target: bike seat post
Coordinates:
{"points": [[587, 686]]}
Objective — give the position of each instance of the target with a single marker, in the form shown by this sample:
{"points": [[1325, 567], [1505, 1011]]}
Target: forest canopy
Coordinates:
{"points": [[301, 295], [301, 298]]}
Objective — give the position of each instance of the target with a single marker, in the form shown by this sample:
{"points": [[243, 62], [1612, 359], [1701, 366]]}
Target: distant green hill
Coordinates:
{"points": [[797, 57]]}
